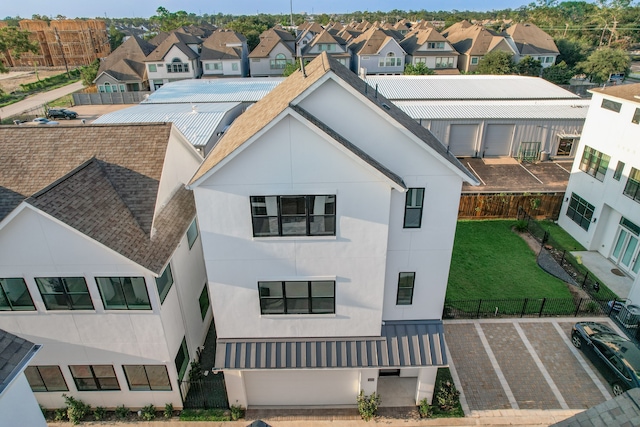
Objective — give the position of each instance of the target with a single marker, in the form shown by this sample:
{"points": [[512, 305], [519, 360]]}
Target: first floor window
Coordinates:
{"points": [[406, 282], [580, 211], [297, 297], [444, 62], [413, 208], [618, 173], [632, 188], [147, 377], [64, 293], [204, 301], [14, 295], [594, 163], [45, 378], [182, 359], [124, 293], [294, 215], [94, 377], [164, 283]]}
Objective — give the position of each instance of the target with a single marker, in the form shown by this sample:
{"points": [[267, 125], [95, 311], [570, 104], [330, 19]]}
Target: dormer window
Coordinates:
{"points": [[177, 66], [435, 45], [328, 47]]}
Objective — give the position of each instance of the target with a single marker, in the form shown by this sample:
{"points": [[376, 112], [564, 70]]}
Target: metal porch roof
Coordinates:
{"points": [[241, 89]]}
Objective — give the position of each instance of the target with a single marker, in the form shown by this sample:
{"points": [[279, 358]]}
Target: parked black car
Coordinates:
{"points": [[61, 113], [617, 358]]}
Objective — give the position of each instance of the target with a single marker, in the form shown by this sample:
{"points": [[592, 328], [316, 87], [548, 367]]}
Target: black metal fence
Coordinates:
{"points": [[207, 393], [525, 307]]}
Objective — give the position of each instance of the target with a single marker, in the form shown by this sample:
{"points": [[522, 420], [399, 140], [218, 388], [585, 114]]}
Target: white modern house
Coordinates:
{"points": [[327, 218], [100, 260], [602, 202]]}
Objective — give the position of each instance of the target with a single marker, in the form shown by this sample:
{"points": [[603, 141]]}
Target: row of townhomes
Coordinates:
{"points": [[365, 48]]}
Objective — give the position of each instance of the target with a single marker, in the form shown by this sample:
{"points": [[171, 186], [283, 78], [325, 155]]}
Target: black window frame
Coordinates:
{"points": [[183, 353], [191, 238], [167, 278], [204, 308], [64, 296], [632, 187], [99, 382], [594, 163], [402, 286], [149, 386], [410, 208], [282, 218], [636, 117], [4, 296], [580, 211], [617, 174], [313, 305], [33, 371], [610, 105], [127, 305]]}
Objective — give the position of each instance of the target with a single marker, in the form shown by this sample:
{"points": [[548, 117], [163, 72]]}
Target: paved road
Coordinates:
{"points": [[39, 99]]}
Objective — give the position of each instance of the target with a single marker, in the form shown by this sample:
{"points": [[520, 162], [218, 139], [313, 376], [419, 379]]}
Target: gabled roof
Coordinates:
{"points": [[630, 92], [417, 38], [313, 27], [475, 40], [177, 39], [531, 40], [458, 26], [280, 98], [334, 27], [158, 38], [101, 180], [422, 25], [371, 41], [216, 46], [326, 37], [270, 39], [402, 25], [127, 61], [15, 353]]}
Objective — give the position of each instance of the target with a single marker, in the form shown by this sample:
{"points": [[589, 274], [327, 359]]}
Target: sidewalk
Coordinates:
{"points": [[39, 99]]}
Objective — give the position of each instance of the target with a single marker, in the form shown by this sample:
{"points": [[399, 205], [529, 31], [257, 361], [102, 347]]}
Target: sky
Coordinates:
{"points": [[147, 8]]}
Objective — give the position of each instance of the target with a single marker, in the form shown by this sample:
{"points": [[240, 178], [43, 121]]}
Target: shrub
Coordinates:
{"points": [[425, 409], [149, 412], [168, 410], [76, 409], [368, 405], [60, 414], [521, 226], [237, 412], [122, 412], [196, 374], [204, 415], [99, 413], [447, 396]]}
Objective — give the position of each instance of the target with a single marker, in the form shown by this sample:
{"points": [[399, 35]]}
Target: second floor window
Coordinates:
{"points": [[14, 295], [293, 215], [124, 293], [594, 163], [64, 293], [413, 208], [632, 188], [297, 297], [391, 60], [164, 283], [279, 62], [580, 211], [177, 66], [435, 45]]}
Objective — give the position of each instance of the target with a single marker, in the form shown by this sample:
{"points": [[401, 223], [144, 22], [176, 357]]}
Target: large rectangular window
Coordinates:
{"points": [[444, 62], [147, 377], [632, 188], [297, 297], [294, 215], [45, 378], [64, 293], [413, 208], [594, 163], [204, 301], [182, 359], [580, 211], [164, 283], [94, 377], [406, 282], [192, 233], [124, 293], [14, 295], [608, 104], [435, 45]]}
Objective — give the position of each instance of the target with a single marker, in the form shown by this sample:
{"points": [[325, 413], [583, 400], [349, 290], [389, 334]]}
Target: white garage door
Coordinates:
{"points": [[497, 140], [462, 140], [319, 387]]}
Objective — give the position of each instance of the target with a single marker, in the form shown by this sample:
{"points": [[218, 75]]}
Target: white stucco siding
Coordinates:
{"points": [[161, 72], [291, 159], [18, 406]]}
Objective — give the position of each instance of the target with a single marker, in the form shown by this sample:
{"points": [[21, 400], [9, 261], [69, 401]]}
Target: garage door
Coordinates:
{"points": [[320, 387], [497, 140], [462, 140]]}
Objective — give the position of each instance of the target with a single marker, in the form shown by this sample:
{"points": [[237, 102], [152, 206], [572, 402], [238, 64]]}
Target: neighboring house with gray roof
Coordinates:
{"points": [[335, 47], [124, 69], [115, 270], [530, 40], [177, 57], [331, 255], [377, 51], [473, 42], [18, 405], [225, 54], [275, 50], [429, 47]]}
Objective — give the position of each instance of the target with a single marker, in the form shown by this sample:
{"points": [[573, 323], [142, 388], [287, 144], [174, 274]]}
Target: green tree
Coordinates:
{"points": [[603, 62], [571, 52], [291, 68], [559, 74], [496, 62], [529, 67], [420, 69], [17, 42], [115, 37], [89, 73], [169, 21]]}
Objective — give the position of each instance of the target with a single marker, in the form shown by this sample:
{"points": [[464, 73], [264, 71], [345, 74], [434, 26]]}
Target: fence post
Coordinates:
{"points": [[544, 300], [478, 311], [524, 307], [584, 282], [545, 237], [563, 254], [578, 307]]}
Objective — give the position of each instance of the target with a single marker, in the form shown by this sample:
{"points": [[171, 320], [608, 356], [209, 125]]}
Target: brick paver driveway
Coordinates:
{"points": [[522, 364]]}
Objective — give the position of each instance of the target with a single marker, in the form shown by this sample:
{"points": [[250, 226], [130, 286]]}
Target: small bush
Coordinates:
{"points": [[204, 415], [99, 413], [122, 412], [196, 374], [149, 412], [368, 405], [521, 226], [168, 410], [60, 414], [76, 409], [237, 412], [447, 396], [425, 409]]}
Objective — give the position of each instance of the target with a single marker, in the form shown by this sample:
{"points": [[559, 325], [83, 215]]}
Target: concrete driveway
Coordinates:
{"points": [[522, 364]]}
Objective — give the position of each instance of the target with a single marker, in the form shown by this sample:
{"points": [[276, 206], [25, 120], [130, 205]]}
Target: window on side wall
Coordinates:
{"points": [[192, 233], [153, 68], [618, 172], [297, 297], [204, 301], [164, 283], [182, 359], [64, 293], [312, 215], [406, 283], [413, 208], [124, 293], [147, 377], [632, 188], [14, 295], [580, 211], [608, 104], [45, 378], [594, 163], [94, 377]]}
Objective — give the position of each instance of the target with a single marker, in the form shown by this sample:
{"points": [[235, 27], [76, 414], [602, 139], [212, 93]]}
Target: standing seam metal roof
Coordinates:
{"points": [[214, 90]]}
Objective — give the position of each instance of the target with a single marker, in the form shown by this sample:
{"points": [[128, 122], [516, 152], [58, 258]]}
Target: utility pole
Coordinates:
{"points": [[291, 11]]}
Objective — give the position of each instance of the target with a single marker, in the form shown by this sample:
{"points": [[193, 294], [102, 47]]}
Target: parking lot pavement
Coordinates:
{"points": [[522, 364]]}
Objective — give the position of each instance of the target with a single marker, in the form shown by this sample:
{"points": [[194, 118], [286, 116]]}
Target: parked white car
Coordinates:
{"points": [[44, 121]]}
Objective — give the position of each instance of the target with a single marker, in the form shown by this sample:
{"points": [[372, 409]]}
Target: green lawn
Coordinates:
{"points": [[491, 262], [564, 240]]}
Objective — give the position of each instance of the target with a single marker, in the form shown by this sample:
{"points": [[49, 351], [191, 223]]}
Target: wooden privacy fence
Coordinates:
{"points": [[506, 205]]}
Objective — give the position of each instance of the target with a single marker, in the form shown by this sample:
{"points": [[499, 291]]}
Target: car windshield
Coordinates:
{"points": [[630, 356]]}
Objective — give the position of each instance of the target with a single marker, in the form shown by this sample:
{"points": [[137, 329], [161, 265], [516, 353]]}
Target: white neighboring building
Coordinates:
{"points": [[602, 202], [176, 58], [328, 218], [100, 260]]}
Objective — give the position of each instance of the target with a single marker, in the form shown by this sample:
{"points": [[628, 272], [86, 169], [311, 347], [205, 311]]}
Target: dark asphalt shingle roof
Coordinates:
{"points": [[15, 352]]}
